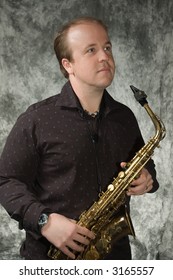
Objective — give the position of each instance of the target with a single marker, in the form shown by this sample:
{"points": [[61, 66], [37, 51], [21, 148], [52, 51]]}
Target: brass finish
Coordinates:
{"points": [[108, 217]]}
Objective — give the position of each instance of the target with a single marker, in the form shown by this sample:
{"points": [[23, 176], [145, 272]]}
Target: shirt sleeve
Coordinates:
{"points": [[18, 168]]}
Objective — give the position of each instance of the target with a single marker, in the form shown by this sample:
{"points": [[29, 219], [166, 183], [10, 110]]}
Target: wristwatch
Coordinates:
{"points": [[43, 219]]}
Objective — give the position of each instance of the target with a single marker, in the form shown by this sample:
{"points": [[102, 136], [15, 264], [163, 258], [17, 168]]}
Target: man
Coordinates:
{"points": [[63, 151]]}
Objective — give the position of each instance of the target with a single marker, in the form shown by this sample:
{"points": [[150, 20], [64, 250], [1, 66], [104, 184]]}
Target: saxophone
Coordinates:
{"points": [[108, 217]]}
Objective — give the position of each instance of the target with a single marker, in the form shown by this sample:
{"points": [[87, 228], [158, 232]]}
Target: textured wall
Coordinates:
{"points": [[142, 36]]}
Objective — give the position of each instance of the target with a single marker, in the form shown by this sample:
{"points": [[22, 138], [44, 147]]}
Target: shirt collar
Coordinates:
{"points": [[68, 99]]}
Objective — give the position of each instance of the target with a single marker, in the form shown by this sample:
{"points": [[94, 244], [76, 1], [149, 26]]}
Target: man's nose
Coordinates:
{"points": [[103, 55]]}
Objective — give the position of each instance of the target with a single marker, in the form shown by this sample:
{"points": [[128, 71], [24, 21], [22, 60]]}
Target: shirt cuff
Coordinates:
{"points": [[30, 221]]}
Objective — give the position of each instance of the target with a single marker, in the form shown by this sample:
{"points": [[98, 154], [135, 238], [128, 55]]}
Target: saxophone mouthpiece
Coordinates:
{"points": [[139, 95]]}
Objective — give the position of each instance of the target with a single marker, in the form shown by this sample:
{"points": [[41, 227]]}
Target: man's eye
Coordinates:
{"points": [[108, 49], [91, 50]]}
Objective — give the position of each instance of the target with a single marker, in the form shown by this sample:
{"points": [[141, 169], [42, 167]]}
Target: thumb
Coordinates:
{"points": [[73, 221]]}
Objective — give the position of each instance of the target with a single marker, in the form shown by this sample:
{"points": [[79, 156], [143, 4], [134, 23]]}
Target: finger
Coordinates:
{"points": [[86, 232], [150, 183], [82, 239], [137, 190], [142, 189], [68, 253], [73, 221], [139, 181], [149, 187], [75, 246], [129, 193], [123, 164]]}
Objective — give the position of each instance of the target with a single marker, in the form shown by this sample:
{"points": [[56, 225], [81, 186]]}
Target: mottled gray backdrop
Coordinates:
{"points": [[142, 36]]}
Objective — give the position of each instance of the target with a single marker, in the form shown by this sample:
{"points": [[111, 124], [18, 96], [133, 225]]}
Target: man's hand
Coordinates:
{"points": [[66, 235], [141, 185]]}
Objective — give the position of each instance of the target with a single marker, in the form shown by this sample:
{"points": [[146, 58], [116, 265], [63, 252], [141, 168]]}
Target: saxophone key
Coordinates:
{"points": [[111, 187], [121, 174]]}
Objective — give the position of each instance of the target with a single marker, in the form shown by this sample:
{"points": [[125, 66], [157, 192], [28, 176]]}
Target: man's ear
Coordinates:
{"points": [[67, 65]]}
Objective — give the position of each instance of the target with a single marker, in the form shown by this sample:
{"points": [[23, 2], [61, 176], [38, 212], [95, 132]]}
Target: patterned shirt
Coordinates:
{"points": [[57, 158]]}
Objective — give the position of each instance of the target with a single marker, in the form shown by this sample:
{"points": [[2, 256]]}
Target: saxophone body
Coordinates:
{"points": [[108, 217]]}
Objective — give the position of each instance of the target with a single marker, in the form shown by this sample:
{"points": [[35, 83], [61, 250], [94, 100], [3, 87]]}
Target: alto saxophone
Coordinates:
{"points": [[108, 217]]}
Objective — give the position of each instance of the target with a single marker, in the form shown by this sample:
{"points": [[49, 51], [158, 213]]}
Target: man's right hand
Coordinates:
{"points": [[66, 235]]}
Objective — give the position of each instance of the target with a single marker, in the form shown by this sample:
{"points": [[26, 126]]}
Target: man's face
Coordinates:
{"points": [[93, 63]]}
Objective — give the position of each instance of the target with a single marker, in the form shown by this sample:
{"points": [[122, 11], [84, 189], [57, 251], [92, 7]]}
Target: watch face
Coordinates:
{"points": [[43, 220]]}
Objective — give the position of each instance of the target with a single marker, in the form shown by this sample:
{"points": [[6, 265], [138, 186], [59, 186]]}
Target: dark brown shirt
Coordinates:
{"points": [[58, 159]]}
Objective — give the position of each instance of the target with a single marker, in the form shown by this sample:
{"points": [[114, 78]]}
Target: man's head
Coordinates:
{"points": [[61, 45], [83, 45]]}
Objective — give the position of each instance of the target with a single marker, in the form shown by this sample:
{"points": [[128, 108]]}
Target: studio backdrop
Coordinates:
{"points": [[142, 36]]}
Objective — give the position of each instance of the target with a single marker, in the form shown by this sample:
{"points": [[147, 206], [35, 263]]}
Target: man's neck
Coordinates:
{"points": [[89, 97]]}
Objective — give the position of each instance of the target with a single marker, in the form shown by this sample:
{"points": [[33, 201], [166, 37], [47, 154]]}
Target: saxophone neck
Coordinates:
{"points": [[158, 124]]}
